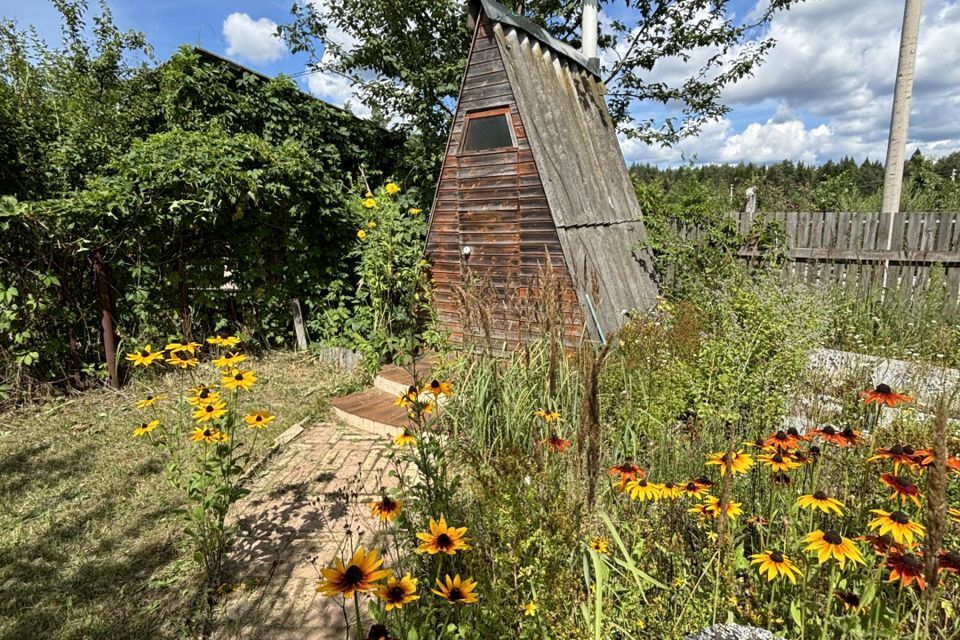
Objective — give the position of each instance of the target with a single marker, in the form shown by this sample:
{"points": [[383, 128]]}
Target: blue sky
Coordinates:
{"points": [[825, 91]]}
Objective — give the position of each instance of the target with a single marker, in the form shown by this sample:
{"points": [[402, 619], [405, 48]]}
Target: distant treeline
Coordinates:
{"points": [[930, 185]]}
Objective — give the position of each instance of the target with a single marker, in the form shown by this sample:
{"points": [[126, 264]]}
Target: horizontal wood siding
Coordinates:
{"points": [[495, 203]]}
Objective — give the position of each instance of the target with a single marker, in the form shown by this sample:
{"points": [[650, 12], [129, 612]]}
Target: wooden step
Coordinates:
{"points": [[393, 380], [371, 410]]}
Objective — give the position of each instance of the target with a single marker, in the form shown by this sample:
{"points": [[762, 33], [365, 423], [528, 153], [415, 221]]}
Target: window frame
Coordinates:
{"points": [[487, 113]]}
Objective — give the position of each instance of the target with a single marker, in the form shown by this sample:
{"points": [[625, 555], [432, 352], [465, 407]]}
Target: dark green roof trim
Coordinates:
{"points": [[499, 13]]}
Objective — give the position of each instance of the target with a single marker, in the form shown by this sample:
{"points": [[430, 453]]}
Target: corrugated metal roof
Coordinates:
{"points": [[581, 167], [499, 13]]}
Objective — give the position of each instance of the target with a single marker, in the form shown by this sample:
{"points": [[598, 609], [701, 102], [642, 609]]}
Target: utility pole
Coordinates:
{"points": [[900, 120]]}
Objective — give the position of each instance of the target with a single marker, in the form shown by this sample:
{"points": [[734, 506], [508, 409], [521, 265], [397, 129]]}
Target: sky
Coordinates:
{"points": [[824, 92]]}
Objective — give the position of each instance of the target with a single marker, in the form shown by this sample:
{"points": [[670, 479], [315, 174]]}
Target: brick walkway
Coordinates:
{"points": [[302, 503]]}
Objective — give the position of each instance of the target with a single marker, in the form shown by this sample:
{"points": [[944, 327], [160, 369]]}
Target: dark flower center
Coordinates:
{"points": [[143, 425], [883, 388], [912, 562], [208, 432], [899, 517], [778, 458], [259, 418], [395, 593], [642, 483], [758, 442], [793, 432], [149, 398], [780, 435], [819, 495], [412, 391], [238, 377], [886, 539], [851, 599], [208, 408], [668, 485], [896, 450], [829, 430], [704, 482], [456, 594], [951, 558], [444, 541], [847, 433], [908, 450], [387, 504], [205, 393], [814, 450], [435, 384], [353, 575], [832, 537], [691, 486], [776, 557]]}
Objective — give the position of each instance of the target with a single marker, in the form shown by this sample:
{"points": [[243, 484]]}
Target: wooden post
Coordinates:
{"points": [[298, 327], [108, 312]]}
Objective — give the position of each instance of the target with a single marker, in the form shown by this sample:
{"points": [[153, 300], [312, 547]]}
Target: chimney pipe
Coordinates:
{"points": [[589, 29]]}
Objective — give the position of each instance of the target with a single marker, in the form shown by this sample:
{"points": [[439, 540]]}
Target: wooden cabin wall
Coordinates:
{"points": [[494, 202]]}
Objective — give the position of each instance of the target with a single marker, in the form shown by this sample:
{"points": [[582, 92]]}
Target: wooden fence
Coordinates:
{"points": [[861, 252]]}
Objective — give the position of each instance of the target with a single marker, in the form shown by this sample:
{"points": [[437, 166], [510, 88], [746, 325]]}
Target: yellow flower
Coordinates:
{"points": [[954, 514], [208, 435], [456, 591], [189, 347], [210, 410], [149, 401], [229, 361], [175, 360], [239, 379], [397, 593], [369, 203], [830, 544], [392, 188], [386, 509], [202, 394], [599, 545], [897, 524], [442, 539], [529, 609], [775, 563], [640, 489], [438, 388], [146, 428], [710, 508], [415, 211], [362, 234], [371, 225], [822, 501], [360, 575], [548, 416], [228, 341], [738, 462], [259, 419], [404, 439], [145, 357]]}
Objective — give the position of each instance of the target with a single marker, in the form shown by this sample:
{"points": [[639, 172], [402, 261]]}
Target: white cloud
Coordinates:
{"points": [[253, 40], [831, 78]]}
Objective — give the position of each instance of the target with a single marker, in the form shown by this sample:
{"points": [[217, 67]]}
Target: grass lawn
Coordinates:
{"points": [[91, 544]]}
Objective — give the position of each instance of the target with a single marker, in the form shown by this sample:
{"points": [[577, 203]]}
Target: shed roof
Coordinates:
{"points": [[588, 188]]}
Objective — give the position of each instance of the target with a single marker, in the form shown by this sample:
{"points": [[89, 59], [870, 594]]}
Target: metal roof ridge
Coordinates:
{"points": [[499, 13]]}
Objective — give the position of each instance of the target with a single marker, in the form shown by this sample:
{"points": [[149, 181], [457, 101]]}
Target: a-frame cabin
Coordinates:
{"points": [[534, 178]]}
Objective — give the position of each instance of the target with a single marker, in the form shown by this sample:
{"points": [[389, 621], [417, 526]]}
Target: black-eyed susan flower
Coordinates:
{"points": [[907, 568], [710, 508], [897, 524], [626, 470], [900, 454], [145, 428], [850, 437], [640, 489], [954, 514], [547, 415], [386, 509], [145, 357], [456, 591], [830, 544], [209, 411], [670, 491], [224, 341], [828, 433], [820, 500], [360, 575], [693, 489], [783, 440], [883, 395], [926, 457], [738, 462], [902, 488], [850, 600], [406, 398], [184, 347], [557, 443], [780, 461], [208, 435], [392, 188], [442, 539], [438, 388], [948, 561], [881, 544], [202, 393], [775, 563], [259, 419], [704, 482], [600, 545], [238, 379], [177, 359], [404, 439], [149, 401], [396, 593], [229, 360]]}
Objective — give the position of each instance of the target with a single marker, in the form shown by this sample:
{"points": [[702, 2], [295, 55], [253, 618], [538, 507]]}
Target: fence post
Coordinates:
{"points": [[108, 312], [298, 327]]}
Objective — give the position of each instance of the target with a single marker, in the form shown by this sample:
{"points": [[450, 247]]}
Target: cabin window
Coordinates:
{"points": [[490, 129]]}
